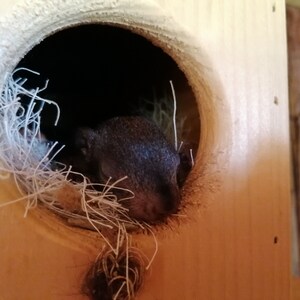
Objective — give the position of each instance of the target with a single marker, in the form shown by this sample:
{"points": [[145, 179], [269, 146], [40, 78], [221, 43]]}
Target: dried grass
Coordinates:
{"points": [[28, 159], [116, 275]]}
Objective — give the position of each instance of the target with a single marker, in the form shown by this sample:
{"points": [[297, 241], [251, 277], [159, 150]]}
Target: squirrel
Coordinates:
{"points": [[135, 148]]}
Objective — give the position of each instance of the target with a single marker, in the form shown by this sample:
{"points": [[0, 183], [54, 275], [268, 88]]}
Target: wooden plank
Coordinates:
{"points": [[293, 22], [237, 246], [295, 283], [245, 43]]}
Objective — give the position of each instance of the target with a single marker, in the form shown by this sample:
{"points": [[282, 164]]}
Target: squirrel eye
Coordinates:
{"points": [[105, 169], [109, 168]]}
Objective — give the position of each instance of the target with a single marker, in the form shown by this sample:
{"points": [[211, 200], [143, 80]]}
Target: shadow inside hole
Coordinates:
{"points": [[97, 72]]}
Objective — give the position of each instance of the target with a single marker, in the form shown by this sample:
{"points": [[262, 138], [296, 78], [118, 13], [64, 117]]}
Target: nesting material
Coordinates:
{"points": [[28, 158], [115, 275], [163, 112]]}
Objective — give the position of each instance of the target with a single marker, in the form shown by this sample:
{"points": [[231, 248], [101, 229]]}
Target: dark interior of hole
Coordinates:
{"points": [[96, 72]]}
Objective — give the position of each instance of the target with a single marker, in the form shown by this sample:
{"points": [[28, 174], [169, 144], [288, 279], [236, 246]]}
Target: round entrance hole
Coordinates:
{"points": [[97, 72]]}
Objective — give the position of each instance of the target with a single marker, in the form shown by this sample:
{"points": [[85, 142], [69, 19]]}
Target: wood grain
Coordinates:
{"points": [[237, 245], [295, 294], [293, 22]]}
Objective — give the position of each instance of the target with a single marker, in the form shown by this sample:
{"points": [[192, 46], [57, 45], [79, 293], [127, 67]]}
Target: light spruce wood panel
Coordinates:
{"points": [[229, 251]]}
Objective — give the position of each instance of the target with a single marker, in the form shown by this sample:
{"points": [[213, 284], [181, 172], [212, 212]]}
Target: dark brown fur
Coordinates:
{"points": [[136, 148]]}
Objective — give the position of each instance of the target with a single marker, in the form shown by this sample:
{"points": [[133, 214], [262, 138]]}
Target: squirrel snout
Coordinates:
{"points": [[154, 206]]}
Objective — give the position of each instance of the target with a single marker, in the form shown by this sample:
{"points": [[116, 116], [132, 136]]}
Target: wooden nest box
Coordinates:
{"points": [[234, 242]]}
